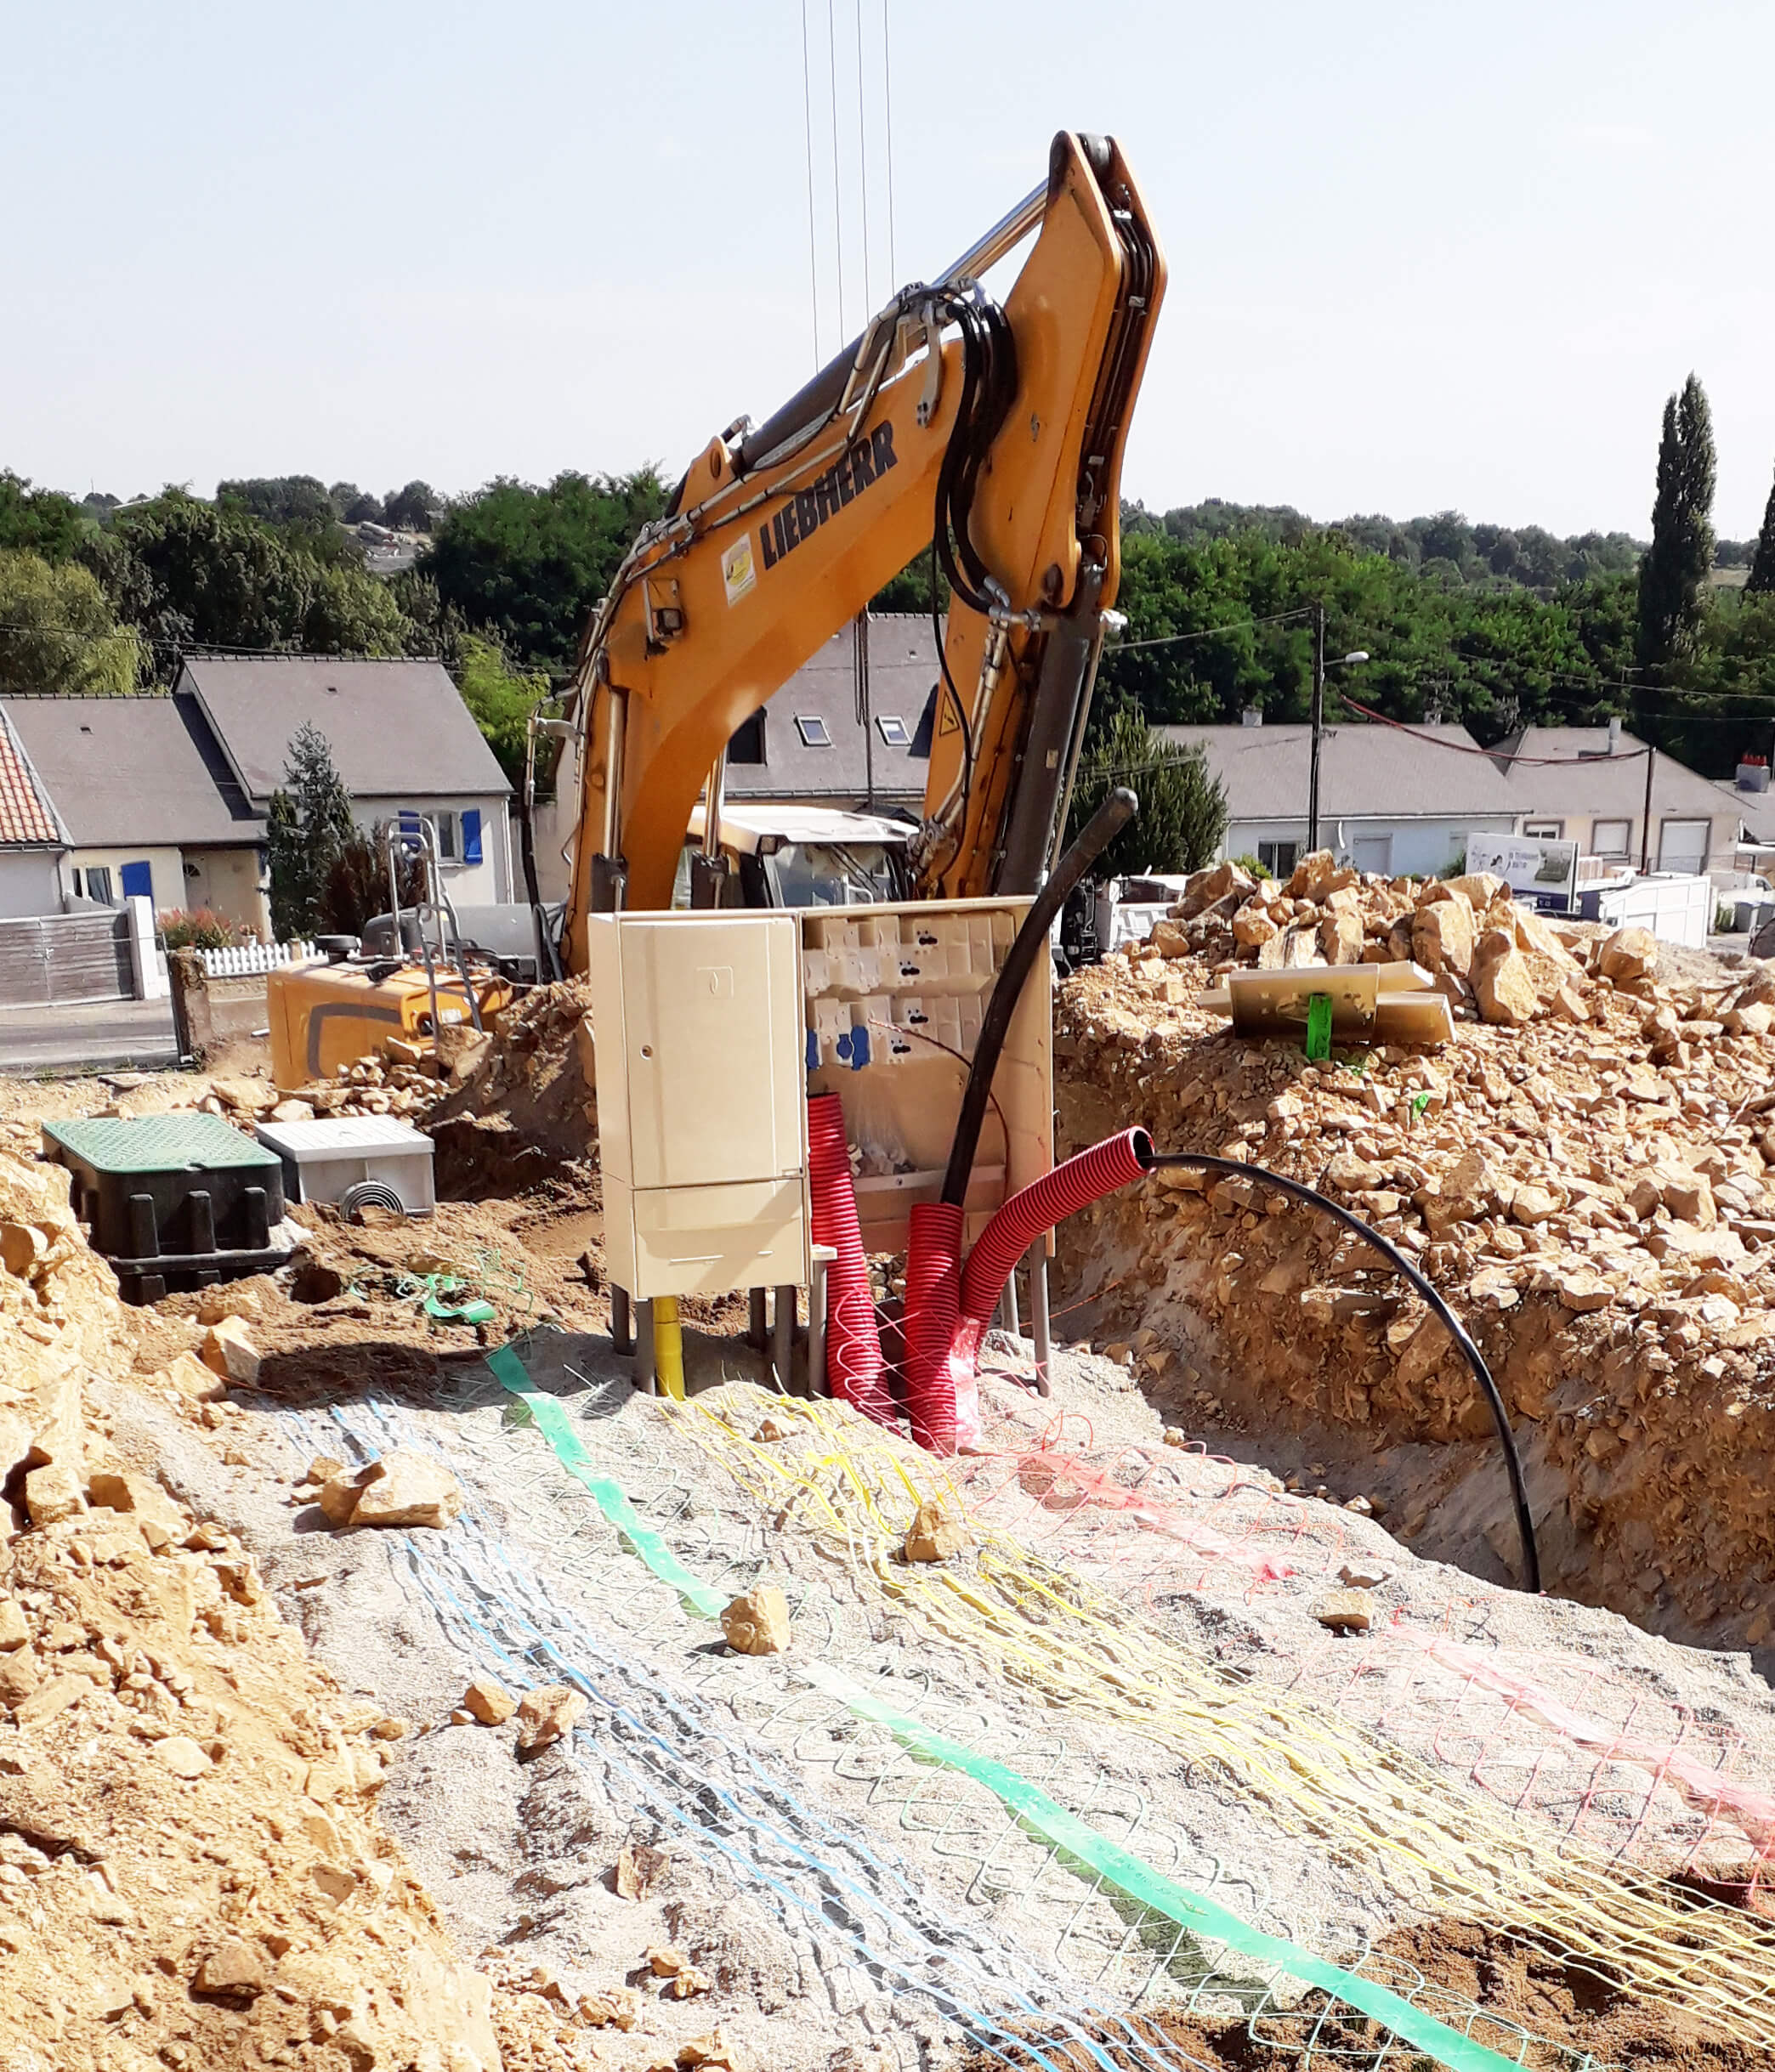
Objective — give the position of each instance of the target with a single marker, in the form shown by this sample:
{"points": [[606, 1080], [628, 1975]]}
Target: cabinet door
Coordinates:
{"points": [[712, 1036]]}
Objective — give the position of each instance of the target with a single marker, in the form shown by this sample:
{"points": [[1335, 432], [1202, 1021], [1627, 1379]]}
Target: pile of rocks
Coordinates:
{"points": [[1597, 1201], [1493, 959]]}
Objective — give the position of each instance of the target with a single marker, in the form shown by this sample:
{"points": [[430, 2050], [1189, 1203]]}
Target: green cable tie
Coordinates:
{"points": [[1128, 1873]]}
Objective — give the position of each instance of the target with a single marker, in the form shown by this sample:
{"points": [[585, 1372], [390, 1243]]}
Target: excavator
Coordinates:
{"points": [[991, 434]]}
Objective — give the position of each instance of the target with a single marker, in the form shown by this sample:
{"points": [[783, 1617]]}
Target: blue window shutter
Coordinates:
{"points": [[471, 835], [137, 880]]}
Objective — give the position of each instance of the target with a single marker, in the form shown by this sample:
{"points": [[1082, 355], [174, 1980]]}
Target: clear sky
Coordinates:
{"points": [[1421, 255]]}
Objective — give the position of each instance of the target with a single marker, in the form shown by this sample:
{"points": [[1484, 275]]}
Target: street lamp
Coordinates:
{"points": [[1319, 666]]}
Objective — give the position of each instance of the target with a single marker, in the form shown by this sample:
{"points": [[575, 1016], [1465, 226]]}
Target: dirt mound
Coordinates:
{"points": [[521, 1103], [1593, 1199]]}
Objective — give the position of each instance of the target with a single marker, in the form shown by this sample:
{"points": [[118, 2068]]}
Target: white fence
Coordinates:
{"points": [[1675, 907], [252, 960]]}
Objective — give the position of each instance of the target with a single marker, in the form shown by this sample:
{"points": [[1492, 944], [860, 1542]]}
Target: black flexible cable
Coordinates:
{"points": [[966, 724], [1201, 1161], [1031, 940]]}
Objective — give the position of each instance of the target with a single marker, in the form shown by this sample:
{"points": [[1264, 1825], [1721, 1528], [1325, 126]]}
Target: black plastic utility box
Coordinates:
{"points": [[173, 1201]]}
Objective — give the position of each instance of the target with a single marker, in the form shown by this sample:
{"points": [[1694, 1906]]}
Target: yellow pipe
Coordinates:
{"points": [[668, 1348]]}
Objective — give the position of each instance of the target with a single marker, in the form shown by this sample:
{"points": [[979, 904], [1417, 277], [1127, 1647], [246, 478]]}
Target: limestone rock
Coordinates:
{"points": [[159, 1519], [294, 1112], [1252, 924], [1443, 938], [188, 1374], [230, 1352], [1340, 938], [640, 1867], [15, 1628], [234, 1967], [1629, 953], [226, 1299], [22, 1246], [937, 1531], [52, 1494], [1169, 940], [1505, 990], [1203, 888], [181, 1755], [1346, 1612], [490, 1702], [1532, 1204], [758, 1622], [545, 1714], [340, 1493], [18, 1676], [1479, 888], [411, 1490]]}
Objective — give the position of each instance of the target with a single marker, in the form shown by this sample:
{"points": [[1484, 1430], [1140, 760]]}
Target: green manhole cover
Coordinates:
{"points": [[157, 1143]]}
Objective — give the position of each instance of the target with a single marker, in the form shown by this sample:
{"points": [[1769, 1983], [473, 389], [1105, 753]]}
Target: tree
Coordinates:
{"points": [[190, 574], [1762, 561], [356, 886], [1183, 808], [410, 508], [1673, 576], [528, 564], [38, 521], [355, 507], [58, 634], [501, 699], [308, 824], [279, 500]]}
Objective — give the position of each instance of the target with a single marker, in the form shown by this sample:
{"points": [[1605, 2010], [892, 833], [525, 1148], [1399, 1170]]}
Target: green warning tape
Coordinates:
{"points": [[1128, 1873]]}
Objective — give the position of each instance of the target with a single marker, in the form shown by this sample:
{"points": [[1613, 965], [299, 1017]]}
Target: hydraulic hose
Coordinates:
{"points": [[1043, 1204], [853, 1342], [1200, 1162], [1103, 826]]}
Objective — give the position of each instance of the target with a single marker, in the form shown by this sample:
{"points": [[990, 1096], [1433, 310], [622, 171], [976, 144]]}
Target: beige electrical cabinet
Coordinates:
{"points": [[702, 1126]]}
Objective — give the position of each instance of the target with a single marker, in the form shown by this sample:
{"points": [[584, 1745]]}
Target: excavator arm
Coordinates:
{"points": [[996, 433]]}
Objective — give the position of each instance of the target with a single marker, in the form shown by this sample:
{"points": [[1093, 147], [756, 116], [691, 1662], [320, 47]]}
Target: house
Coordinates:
{"points": [[401, 738], [34, 840], [809, 746], [166, 796], [1397, 802], [148, 801], [1588, 784]]}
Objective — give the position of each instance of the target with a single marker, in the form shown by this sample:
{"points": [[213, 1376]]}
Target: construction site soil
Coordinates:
{"points": [[247, 1816]]}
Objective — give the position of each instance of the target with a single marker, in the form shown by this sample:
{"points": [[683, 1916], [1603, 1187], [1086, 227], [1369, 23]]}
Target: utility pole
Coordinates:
{"points": [[1645, 827], [1319, 725]]}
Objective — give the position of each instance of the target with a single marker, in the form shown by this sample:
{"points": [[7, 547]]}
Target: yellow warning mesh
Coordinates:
{"points": [[1042, 1630]]}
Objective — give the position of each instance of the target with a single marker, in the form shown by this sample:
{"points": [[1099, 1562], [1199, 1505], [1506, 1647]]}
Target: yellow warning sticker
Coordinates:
{"points": [[739, 571], [949, 720]]}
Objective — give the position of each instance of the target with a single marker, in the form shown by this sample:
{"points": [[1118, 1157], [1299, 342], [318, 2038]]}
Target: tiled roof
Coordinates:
{"points": [[28, 818]]}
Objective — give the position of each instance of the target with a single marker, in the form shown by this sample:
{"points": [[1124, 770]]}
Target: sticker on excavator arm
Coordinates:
{"points": [[949, 718], [738, 569]]}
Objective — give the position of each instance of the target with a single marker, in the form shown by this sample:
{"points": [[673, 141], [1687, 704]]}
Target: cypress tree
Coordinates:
{"points": [[1673, 576], [1762, 562], [307, 823]]}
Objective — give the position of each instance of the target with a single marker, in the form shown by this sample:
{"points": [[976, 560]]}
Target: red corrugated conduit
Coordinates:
{"points": [[1041, 1205], [854, 1345], [947, 1310]]}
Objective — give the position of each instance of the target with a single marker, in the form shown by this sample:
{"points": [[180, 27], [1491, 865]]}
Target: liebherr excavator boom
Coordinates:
{"points": [[993, 434]]}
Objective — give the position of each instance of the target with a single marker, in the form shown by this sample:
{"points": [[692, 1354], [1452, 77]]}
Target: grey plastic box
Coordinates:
{"points": [[322, 1159]]}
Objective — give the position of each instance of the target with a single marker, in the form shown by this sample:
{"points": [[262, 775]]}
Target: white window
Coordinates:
{"points": [[95, 883], [1279, 857], [813, 730], [1682, 845], [893, 729], [1610, 837], [1544, 830], [446, 826]]}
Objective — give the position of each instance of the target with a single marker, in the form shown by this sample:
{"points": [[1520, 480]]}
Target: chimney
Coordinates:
{"points": [[1614, 737], [1251, 716], [1753, 774]]}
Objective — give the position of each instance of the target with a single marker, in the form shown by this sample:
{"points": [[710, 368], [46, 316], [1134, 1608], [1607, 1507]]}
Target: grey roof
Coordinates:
{"points": [[1365, 772], [1584, 779], [902, 668], [124, 771], [397, 729]]}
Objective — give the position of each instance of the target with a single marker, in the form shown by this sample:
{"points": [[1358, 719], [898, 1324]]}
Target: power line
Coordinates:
{"points": [[863, 161], [888, 101], [837, 186], [807, 126], [1233, 625]]}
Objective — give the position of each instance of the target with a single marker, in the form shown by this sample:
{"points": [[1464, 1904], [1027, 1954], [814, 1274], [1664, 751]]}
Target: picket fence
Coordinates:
{"points": [[251, 960]]}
